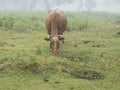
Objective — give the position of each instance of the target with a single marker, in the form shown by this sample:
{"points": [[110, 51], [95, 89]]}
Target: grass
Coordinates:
{"points": [[88, 60]]}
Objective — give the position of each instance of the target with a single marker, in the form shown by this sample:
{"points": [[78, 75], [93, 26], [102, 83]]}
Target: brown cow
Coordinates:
{"points": [[56, 23]]}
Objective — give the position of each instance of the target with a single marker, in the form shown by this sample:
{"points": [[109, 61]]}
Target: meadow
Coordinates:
{"points": [[88, 60]]}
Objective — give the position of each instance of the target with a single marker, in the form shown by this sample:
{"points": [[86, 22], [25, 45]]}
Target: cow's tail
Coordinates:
{"points": [[54, 28]]}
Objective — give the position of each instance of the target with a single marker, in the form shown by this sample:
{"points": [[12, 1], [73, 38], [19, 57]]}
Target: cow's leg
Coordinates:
{"points": [[61, 37], [48, 37], [51, 45]]}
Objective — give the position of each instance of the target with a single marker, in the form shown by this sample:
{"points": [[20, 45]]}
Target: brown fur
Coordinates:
{"points": [[56, 22]]}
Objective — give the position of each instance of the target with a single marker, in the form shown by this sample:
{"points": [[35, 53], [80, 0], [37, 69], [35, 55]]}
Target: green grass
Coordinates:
{"points": [[88, 60]]}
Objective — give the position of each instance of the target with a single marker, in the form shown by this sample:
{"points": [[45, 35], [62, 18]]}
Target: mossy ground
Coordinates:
{"points": [[88, 60]]}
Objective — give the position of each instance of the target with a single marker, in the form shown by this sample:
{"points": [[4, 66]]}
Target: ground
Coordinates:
{"points": [[88, 60]]}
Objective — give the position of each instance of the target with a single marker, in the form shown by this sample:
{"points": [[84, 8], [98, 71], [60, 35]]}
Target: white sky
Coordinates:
{"points": [[100, 7]]}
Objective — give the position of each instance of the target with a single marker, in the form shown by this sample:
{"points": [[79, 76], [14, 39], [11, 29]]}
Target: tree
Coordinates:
{"points": [[112, 2], [90, 4], [80, 4], [50, 3], [2, 4], [47, 4], [32, 4]]}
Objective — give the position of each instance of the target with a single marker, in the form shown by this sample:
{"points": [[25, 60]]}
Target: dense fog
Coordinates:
{"points": [[67, 5]]}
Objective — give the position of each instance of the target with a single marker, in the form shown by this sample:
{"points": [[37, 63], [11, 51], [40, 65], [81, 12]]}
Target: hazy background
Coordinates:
{"points": [[68, 5]]}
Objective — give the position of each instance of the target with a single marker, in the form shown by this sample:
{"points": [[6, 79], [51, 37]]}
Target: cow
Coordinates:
{"points": [[56, 23]]}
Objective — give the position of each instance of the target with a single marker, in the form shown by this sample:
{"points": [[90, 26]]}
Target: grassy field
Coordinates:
{"points": [[88, 60]]}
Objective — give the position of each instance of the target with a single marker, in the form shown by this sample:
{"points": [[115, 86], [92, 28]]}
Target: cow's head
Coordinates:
{"points": [[54, 44]]}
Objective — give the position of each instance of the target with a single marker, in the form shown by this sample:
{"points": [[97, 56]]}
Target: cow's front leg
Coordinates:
{"points": [[61, 37]]}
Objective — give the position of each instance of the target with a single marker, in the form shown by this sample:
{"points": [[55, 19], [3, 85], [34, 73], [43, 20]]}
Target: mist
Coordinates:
{"points": [[66, 5]]}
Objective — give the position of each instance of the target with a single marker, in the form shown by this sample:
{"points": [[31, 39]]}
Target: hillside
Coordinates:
{"points": [[88, 60]]}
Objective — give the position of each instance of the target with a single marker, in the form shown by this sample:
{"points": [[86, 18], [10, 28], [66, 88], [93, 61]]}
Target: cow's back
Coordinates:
{"points": [[59, 20]]}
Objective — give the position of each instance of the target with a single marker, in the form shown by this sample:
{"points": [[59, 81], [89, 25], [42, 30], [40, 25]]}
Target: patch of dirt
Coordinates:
{"points": [[118, 33], [87, 74], [87, 41]]}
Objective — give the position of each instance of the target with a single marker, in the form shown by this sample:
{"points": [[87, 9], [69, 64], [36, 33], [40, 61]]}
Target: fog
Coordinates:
{"points": [[66, 5]]}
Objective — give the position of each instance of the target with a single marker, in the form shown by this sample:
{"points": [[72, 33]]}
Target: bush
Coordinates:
{"points": [[21, 21]]}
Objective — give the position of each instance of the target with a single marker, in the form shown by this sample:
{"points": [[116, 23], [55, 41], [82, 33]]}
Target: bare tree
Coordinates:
{"points": [[80, 4], [24, 5], [90, 4], [50, 3], [2, 4], [32, 4], [47, 4], [112, 2]]}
